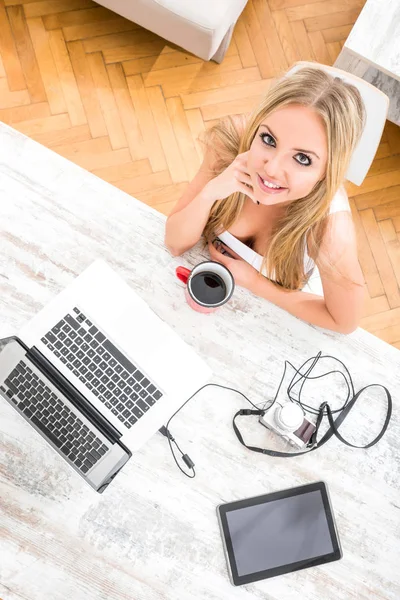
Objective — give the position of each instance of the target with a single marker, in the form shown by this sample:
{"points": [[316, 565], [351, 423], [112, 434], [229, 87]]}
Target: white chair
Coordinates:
{"points": [[203, 27], [376, 106]]}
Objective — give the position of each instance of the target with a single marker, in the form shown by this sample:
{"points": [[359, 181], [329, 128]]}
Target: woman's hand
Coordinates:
{"points": [[244, 274], [234, 178]]}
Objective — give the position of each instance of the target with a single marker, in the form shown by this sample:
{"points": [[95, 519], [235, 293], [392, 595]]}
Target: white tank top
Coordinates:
{"points": [[314, 285]]}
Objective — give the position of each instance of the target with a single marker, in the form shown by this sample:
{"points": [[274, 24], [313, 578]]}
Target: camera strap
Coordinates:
{"points": [[334, 425]]}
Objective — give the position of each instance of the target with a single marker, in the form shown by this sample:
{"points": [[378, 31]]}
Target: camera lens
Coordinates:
{"points": [[289, 416]]}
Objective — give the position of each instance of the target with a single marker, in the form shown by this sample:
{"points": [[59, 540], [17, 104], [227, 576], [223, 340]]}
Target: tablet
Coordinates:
{"points": [[278, 533]]}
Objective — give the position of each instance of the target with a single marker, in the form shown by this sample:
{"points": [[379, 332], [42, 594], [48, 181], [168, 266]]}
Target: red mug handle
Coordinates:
{"points": [[182, 273]]}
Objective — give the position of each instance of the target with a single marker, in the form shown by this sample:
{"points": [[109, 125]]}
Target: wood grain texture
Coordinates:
{"points": [[58, 538], [81, 73]]}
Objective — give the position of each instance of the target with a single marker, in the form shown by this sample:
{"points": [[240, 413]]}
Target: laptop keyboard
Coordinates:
{"points": [[53, 417], [105, 371]]}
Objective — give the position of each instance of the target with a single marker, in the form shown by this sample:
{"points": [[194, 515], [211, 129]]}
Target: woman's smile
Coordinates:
{"points": [[270, 188]]}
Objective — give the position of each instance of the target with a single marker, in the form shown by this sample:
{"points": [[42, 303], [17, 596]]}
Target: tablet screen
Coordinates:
{"points": [[280, 532]]}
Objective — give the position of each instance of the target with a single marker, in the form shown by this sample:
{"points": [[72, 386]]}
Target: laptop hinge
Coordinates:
{"points": [[73, 395]]}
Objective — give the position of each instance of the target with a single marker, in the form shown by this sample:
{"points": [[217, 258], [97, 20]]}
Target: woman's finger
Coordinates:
{"points": [[248, 191], [244, 177], [230, 252], [216, 255]]}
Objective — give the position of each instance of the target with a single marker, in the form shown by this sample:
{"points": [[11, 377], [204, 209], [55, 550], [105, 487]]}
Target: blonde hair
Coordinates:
{"points": [[342, 111]]}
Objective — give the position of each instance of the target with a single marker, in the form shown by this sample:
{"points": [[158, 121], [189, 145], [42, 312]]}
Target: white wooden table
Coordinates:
{"points": [[153, 534], [372, 50]]}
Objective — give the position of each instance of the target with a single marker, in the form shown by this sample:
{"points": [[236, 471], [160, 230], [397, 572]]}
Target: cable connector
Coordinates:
{"points": [[247, 411], [188, 461], [166, 433]]}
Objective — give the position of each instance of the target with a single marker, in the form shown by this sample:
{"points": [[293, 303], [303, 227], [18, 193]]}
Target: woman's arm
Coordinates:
{"points": [[188, 219], [310, 307], [189, 216], [341, 307]]}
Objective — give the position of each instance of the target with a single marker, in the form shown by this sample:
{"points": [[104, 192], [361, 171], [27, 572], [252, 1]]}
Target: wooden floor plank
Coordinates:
{"points": [[365, 256], [129, 119], [67, 78], [107, 101], [229, 107], [170, 146], [94, 154], [302, 41], [383, 151], [196, 126], [126, 171], [77, 17], [147, 126], [2, 69], [334, 49], [393, 137], [381, 257], [233, 92], [258, 42], [34, 126], [376, 182], [8, 50], [73, 135], [387, 211], [26, 54], [221, 79], [185, 74], [87, 89], [319, 47], [144, 182], [373, 307], [120, 54], [326, 21], [286, 36], [161, 62], [48, 7], [385, 165], [266, 23], [10, 99], [119, 40], [377, 197], [391, 335], [177, 117], [25, 113], [48, 69], [244, 45], [392, 243], [336, 34], [164, 198], [90, 30], [278, 4], [317, 9]]}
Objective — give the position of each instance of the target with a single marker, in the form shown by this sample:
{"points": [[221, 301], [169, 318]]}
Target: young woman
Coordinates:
{"points": [[269, 199]]}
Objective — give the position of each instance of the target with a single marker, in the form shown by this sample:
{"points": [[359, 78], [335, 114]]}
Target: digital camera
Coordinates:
{"points": [[288, 420]]}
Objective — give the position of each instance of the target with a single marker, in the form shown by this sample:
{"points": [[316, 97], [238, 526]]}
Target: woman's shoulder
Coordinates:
{"points": [[340, 201]]}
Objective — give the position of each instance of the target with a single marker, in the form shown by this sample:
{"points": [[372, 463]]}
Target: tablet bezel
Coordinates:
{"points": [[223, 509]]}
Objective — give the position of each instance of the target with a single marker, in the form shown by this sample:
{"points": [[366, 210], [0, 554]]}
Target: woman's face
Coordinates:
{"points": [[288, 150]]}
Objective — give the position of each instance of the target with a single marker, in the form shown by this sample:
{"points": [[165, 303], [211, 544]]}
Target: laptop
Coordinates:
{"points": [[97, 373]]}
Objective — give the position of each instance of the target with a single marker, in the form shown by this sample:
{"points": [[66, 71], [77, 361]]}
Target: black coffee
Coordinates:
{"points": [[208, 288]]}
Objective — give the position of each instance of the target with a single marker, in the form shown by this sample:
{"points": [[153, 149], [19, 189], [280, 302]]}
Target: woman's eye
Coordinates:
{"points": [[265, 137], [305, 160], [308, 160]]}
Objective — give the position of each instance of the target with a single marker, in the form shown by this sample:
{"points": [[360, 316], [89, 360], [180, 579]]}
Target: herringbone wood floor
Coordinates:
{"points": [[129, 106]]}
